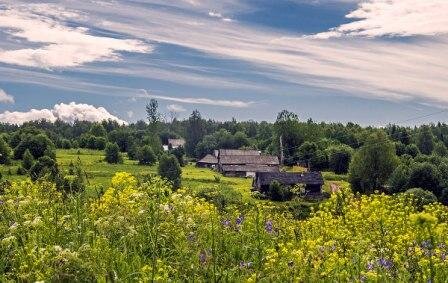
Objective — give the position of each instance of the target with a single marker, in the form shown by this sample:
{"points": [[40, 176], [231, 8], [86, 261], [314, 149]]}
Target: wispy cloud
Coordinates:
{"points": [[65, 112], [176, 108], [394, 18], [206, 101], [59, 45], [5, 98], [214, 14]]}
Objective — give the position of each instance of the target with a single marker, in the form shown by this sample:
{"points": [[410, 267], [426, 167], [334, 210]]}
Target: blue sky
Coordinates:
{"points": [[372, 62]]}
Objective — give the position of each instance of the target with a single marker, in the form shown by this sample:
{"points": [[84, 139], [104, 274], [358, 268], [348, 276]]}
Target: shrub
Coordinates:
{"points": [[421, 197], [37, 144], [220, 196], [45, 166], [339, 158], [113, 155], [277, 192], [425, 176], [28, 160], [146, 156], [5, 152], [170, 170]]}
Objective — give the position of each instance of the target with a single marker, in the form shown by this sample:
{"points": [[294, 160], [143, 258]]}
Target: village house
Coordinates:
{"points": [[247, 165], [313, 181], [173, 144]]}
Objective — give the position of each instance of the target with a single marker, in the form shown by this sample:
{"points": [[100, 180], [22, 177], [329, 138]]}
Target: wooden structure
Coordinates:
{"points": [[209, 161], [313, 181], [246, 170]]}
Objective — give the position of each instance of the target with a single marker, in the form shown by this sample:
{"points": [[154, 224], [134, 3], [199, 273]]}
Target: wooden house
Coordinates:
{"points": [[209, 161]]}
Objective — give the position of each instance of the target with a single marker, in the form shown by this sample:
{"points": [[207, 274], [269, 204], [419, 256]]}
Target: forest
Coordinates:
{"points": [[102, 201]]}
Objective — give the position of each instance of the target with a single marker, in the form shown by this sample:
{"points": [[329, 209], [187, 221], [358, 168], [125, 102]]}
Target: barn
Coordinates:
{"points": [[246, 170], [313, 181]]}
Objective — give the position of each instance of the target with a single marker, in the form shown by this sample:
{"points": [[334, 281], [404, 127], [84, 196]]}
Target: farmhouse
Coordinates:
{"points": [[209, 161], [313, 181], [247, 165]]}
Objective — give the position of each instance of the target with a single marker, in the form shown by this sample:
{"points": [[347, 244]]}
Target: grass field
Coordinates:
{"points": [[99, 172]]}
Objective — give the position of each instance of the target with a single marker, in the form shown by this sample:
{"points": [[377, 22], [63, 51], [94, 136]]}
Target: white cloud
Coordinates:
{"points": [[394, 18], [130, 113], [6, 98], [206, 101], [65, 112], [214, 14], [58, 45], [176, 108]]}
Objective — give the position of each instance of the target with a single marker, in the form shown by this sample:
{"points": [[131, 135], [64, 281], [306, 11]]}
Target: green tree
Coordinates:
{"points": [[412, 150], [440, 149], [287, 128], [399, 180], [37, 144], [372, 164], [153, 115], [97, 130], [195, 131], [113, 155], [425, 140], [421, 197], [146, 156], [28, 160], [339, 158], [5, 152], [425, 175], [44, 167], [170, 170], [179, 152]]}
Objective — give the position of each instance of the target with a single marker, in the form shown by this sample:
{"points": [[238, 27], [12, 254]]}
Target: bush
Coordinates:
{"points": [[21, 171], [5, 152], [45, 166], [421, 197], [277, 192], [146, 156], [28, 160], [113, 155], [220, 196], [444, 196], [179, 152], [37, 145], [425, 176], [399, 179], [170, 170]]}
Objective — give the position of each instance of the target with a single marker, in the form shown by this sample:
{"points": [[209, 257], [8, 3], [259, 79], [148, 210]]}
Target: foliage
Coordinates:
{"points": [[170, 170], [278, 192], [28, 160], [36, 144], [5, 152], [425, 176], [399, 180], [144, 232], [287, 128], [373, 164], [339, 158], [44, 167], [421, 197], [425, 140], [195, 132], [112, 153], [146, 156], [179, 152]]}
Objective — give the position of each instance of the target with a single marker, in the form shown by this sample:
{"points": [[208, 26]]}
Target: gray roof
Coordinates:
{"points": [[287, 178], [249, 168], [176, 142], [239, 152], [249, 159], [209, 159]]}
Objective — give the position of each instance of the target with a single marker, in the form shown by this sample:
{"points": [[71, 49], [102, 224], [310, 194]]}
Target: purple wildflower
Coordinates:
{"points": [[226, 223], [202, 257], [246, 264], [387, 264], [239, 220], [370, 266], [268, 226], [191, 237]]}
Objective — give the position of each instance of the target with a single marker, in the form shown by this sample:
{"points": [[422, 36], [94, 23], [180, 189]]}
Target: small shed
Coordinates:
{"points": [[313, 181], [209, 161], [246, 170]]}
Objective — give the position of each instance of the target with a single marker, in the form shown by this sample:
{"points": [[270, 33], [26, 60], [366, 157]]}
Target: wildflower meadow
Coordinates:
{"points": [[139, 230]]}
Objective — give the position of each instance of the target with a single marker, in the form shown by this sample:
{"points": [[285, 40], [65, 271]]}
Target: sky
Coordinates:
{"points": [[372, 62]]}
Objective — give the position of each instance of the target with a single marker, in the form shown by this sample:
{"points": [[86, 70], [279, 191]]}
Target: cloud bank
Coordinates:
{"points": [[394, 18], [65, 112], [5, 98], [176, 108], [55, 44]]}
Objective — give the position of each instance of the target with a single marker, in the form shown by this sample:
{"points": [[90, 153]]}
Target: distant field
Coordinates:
{"points": [[99, 172]]}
